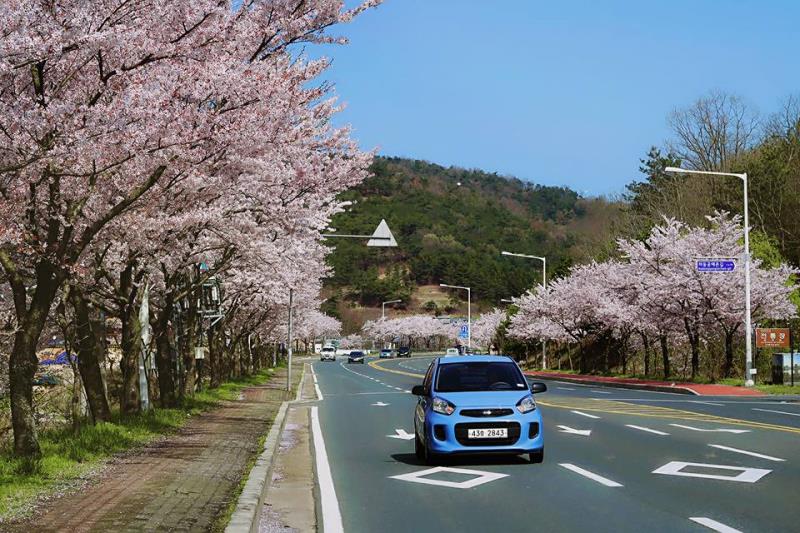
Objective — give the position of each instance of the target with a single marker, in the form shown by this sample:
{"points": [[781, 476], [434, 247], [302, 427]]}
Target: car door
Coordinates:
{"points": [[423, 402]]}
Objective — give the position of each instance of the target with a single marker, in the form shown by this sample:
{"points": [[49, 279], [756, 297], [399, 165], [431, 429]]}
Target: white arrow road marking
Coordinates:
{"points": [[567, 429], [713, 524], [590, 475], [745, 475], [401, 434], [745, 452], [587, 415], [479, 479], [641, 428], [779, 412], [718, 430], [380, 404]]}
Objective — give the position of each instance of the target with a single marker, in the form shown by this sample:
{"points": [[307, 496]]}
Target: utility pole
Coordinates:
{"points": [[748, 326], [289, 344]]}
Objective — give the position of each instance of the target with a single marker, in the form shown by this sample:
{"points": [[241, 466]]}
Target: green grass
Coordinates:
{"points": [[67, 456]]}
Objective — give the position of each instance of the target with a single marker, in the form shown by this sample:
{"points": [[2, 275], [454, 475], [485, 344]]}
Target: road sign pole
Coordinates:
{"points": [[748, 325], [469, 319], [791, 355]]}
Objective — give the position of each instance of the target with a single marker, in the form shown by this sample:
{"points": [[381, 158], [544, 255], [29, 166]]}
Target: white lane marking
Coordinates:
{"points": [[745, 475], [773, 411], [565, 388], [601, 391], [718, 430], [587, 415], [745, 452], [316, 385], [401, 434], [479, 479], [380, 404], [331, 517], [713, 524], [594, 477], [571, 431], [708, 403], [648, 430]]}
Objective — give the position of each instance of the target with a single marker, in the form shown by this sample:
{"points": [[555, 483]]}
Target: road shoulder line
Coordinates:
{"points": [[331, 516]]}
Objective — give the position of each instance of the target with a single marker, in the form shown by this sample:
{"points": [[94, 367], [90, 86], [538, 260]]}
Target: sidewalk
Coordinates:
{"points": [[651, 385], [184, 482]]}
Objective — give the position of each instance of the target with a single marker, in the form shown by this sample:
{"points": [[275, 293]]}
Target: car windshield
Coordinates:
{"points": [[356, 354], [386, 351], [479, 376]]}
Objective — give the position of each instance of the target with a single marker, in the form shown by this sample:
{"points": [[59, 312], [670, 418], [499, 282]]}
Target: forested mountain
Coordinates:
{"points": [[451, 225]]}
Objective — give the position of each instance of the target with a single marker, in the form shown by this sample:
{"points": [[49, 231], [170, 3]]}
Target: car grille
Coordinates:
{"points": [[481, 413], [464, 427]]}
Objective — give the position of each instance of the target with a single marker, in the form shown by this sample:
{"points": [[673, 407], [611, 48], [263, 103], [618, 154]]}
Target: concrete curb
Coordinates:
{"points": [[632, 386], [246, 516]]}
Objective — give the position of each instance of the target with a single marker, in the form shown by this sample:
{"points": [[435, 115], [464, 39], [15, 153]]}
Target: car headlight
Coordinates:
{"points": [[526, 405], [442, 406]]}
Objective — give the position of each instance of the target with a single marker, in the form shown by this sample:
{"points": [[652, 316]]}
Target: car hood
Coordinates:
{"points": [[484, 399]]}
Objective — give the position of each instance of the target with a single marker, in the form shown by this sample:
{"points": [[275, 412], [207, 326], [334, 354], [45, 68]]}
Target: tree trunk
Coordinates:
{"points": [[728, 366], [214, 357], [90, 352], [166, 381], [662, 339], [694, 343], [23, 361], [646, 342], [131, 343], [21, 370], [189, 342]]}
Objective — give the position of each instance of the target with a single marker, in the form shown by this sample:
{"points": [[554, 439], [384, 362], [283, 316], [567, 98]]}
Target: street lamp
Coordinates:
{"points": [[383, 307], [544, 286], [469, 310], [748, 378]]}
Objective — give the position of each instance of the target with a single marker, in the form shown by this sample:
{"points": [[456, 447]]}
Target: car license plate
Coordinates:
{"points": [[488, 433]]}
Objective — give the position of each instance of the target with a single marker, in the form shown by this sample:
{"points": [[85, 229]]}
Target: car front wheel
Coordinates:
{"points": [[537, 456]]}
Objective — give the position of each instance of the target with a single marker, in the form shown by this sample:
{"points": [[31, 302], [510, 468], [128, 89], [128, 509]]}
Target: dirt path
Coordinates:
{"points": [[181, 483]]}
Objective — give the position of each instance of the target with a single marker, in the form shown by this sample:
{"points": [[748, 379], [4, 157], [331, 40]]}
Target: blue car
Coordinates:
{"points": [[480, 404]]}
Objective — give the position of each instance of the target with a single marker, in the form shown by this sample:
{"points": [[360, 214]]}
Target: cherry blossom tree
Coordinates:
{"points": [[109, 109], [484, 328]]}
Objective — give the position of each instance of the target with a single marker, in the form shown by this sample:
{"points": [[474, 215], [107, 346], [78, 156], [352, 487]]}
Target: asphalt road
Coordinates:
{"points": [[614, 461]]}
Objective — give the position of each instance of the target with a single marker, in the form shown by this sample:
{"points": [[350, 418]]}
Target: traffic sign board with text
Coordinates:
{"points": [[772, 337]]}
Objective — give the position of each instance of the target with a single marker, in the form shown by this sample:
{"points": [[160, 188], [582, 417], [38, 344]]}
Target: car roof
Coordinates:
{"points": [[474, 359]]}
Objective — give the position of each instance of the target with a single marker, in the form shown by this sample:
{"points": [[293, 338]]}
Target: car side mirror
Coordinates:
{"points": [[418, 390], [538, 387]]}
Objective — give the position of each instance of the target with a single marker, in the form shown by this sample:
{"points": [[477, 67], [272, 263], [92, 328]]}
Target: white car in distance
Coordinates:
{"points": [[328, 353]]}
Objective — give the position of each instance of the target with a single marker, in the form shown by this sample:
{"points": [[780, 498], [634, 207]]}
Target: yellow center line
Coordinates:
{"points": [[377, 365], [623, 408]]}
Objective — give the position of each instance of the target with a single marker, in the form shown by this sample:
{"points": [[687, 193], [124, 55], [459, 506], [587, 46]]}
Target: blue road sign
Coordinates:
{"points": [[464, 332], [716, 265]]}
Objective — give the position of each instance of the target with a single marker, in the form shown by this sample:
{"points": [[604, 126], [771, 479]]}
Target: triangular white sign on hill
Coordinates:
{"points": [[382, 236]]}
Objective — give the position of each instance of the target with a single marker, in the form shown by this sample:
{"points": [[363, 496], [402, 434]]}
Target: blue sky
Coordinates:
{"points": [[559, 92]]}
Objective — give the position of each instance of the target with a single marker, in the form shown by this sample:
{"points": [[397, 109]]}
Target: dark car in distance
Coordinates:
{"points": [[356, 356], [404, 351]]}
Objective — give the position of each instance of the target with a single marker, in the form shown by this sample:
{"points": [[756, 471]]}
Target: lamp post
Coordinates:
{"points": [[544, 286], [748, 333], [469, 311], [289, 345], [383, 307]]}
